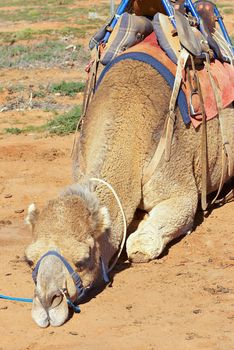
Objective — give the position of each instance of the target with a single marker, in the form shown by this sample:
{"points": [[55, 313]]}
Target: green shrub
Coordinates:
{"points": [[228, 11], [67, 88], [14, 131], [62, 124], [65, 123], [48, 53], [39, 94]]}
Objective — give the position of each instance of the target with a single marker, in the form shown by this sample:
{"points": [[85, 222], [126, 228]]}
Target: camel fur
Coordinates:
{"points": [[119, 135]]}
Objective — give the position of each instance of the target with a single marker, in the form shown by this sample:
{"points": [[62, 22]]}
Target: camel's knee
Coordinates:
{"points": [[143, 245]]}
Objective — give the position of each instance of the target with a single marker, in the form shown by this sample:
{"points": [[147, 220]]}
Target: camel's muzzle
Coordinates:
{"points": [[81, 291]]}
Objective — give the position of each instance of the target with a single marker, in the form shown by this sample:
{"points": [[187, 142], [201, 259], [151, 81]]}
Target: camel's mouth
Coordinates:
{"points": [[55, 315], [80, 290], [54, 296]]}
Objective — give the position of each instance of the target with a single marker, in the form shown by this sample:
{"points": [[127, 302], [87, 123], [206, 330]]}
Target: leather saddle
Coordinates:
{"points": [[206, 11], [172, 41], [197, 42]]}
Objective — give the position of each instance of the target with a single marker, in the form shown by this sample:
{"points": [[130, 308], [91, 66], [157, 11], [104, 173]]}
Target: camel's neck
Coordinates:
{"points": [[118, 139]]}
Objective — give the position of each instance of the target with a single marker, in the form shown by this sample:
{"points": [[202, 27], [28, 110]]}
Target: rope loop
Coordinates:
{"points": [[123, 216]]}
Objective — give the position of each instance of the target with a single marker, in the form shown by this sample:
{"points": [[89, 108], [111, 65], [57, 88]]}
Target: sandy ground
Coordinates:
{"points": [[182, 301]]}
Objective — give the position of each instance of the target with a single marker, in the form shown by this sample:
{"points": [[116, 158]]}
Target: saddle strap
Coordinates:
{"points": [[222, 178], [203, 140], [167, 134], [88, 92], [226, 144], [150, 169], [227, 162], [226, 199], [170, 121]]}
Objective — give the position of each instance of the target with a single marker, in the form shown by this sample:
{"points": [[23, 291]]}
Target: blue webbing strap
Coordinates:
{"points": [[76, 278]]}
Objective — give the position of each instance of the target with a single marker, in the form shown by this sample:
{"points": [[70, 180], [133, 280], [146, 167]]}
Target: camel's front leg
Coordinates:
{"points": [[166, 221]]}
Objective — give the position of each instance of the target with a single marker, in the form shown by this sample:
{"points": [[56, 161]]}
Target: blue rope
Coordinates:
{"points": [[24, 300], [75, 308]]}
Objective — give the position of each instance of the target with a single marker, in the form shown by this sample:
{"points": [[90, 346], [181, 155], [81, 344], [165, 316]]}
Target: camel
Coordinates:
{"points": [[118, 138]]}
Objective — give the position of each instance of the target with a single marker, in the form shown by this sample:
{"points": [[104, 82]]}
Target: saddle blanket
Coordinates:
{"points": [[150, 52]]}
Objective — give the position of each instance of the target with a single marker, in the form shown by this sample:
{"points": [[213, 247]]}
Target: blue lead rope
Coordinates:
{"points": [[24, 300], [75, 308]]}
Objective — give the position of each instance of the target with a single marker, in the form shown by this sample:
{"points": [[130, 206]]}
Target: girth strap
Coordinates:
{"points": [[227, 162], [170, 121], [204, 156], [167, 134], [226, 144], [150, 169]]}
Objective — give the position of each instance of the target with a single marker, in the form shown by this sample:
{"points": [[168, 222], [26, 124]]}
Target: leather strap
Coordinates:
{"points": [[226, 144], [226, 199], [152, 166], [227, 162], [89, 91], [203, 140], [222, 178], [167, 134], [91, 83], [170, 121]]}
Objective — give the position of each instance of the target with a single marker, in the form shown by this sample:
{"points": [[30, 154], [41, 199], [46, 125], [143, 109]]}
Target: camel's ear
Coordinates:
{"points": [[105, 219], [32, 216]]}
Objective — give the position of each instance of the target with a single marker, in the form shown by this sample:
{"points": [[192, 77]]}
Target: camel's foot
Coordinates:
{"points": [[166, 221], [143, 246]]}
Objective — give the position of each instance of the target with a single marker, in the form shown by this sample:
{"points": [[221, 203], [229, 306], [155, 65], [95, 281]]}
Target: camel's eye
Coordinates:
{"points": [[29, 262], [82, 264]]}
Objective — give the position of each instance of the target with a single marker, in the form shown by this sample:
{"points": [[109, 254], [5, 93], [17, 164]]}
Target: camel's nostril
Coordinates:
{"points": [[59, 313], [56, 300]]}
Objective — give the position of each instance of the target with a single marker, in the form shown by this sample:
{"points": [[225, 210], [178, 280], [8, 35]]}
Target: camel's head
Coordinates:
{"points": [[72, 227]]}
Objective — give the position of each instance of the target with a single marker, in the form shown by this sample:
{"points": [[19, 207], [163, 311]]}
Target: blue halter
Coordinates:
{"points": [[81, 291]]}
